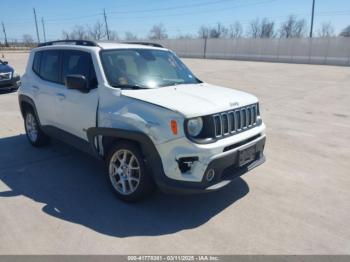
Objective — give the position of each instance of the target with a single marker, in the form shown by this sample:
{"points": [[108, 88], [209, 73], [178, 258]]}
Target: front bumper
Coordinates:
{"points": [[226, 169], [13, 83]]}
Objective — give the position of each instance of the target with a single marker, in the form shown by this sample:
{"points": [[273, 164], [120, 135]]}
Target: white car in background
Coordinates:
{"points": [[140, 109]]}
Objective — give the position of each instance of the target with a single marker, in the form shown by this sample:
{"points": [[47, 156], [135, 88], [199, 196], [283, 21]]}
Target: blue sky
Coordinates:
{"points": [[178, 16]]}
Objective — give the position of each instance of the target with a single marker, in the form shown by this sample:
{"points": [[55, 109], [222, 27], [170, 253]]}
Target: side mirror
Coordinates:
{"points": [[77, 82]]}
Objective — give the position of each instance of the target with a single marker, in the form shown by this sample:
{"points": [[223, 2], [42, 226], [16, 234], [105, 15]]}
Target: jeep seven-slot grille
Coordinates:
{"points": [[235, 121]]}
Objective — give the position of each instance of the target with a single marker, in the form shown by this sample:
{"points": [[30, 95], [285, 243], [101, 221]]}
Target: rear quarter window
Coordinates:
{"points": [[36, 63]]}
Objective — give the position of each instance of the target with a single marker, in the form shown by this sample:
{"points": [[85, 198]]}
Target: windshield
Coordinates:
{"points": [[144, 68]]}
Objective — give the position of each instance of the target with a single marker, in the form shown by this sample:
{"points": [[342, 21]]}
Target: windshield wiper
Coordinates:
{"points": [[171, 82], [134, 87]]}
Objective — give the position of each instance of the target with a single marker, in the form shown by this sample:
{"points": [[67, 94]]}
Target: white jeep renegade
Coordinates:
{"points": [[140, 109]]}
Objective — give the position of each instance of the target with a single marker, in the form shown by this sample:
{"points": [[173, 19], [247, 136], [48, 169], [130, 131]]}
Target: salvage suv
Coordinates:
{"points": [[141, 110]]}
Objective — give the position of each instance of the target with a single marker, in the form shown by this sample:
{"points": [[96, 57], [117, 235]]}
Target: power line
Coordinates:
{"points": [[178, 14], [73, 18], [202, 12], [130, 11], [59, 21], [170, 8], [36, 25]]}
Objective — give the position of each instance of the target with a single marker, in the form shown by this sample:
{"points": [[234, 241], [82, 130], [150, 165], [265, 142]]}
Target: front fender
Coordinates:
{"points": [[152, 159]]}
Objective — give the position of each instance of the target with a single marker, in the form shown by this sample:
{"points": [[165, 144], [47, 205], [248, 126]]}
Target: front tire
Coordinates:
{"points": [[33, 131], [127, 173]]}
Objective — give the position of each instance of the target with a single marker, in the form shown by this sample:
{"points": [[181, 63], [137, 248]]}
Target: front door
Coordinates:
{"points": [[75, 110]]}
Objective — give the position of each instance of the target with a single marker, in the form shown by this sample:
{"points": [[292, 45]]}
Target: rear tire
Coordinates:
{"points": [[33, 130], [127, 172]]}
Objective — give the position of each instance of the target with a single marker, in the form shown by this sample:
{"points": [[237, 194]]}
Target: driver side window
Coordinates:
{"points": [[79, 63]]}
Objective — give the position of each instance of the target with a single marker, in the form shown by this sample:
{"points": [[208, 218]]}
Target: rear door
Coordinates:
{"points": [[46, 82], [76, 110]]}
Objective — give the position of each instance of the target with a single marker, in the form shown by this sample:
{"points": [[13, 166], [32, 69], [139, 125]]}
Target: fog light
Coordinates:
{"points": [[186, 163], [209, 176]]}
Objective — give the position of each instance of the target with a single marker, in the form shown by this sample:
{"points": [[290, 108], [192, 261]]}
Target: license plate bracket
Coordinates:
{"points": [[246, 155]]}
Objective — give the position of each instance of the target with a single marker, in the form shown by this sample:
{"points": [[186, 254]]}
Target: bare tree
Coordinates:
{"points": [[218, 31], [158, 32], [267, 29], [345, 32], [28, 40], [97, 31], [235, 30], [78, 32], [254, 29], [113, 35], [293, 27], [203, 32], [65, 35], [261, 29], [130, 36], [184, 36], [326, 30]]}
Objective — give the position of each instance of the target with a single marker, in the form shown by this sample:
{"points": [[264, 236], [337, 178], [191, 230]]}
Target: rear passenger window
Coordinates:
{"points": [[79, 63], [50, 65], [36, 62]]}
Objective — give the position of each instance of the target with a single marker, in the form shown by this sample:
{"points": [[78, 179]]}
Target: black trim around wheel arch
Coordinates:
{"points": [[152, 159], [27, 99]]}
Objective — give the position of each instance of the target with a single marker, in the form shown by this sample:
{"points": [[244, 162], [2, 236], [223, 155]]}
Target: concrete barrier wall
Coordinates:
{"points": [[330, 51]]}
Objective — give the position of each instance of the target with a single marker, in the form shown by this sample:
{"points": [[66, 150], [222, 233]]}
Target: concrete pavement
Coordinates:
{"points": [[56, 200]]}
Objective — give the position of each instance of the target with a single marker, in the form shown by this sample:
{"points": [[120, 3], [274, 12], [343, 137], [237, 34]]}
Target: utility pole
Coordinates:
{"points": [[36, 26], [43, 24], [205, 47], [106, 24], [3, 29], [312, 18]]}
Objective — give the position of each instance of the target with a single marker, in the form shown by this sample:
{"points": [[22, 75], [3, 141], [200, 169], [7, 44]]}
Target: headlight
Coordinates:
{"points": [[15, 74], [194, 126]]}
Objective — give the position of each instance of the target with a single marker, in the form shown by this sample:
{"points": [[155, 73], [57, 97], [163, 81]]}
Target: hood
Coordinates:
{"points": [[5, 68], [193, 100]]}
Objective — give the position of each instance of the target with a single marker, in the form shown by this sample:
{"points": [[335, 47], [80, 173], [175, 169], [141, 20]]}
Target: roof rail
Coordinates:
{"points": [[93, 43], [143, 43], [76, 42]]}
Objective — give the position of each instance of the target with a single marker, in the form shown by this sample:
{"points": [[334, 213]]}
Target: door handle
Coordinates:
{"points": [[61, 96]]}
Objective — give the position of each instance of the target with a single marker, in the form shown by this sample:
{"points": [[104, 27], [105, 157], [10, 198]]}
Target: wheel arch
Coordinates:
{"points": [[108, 142], [110, 136], [26, 102]]}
